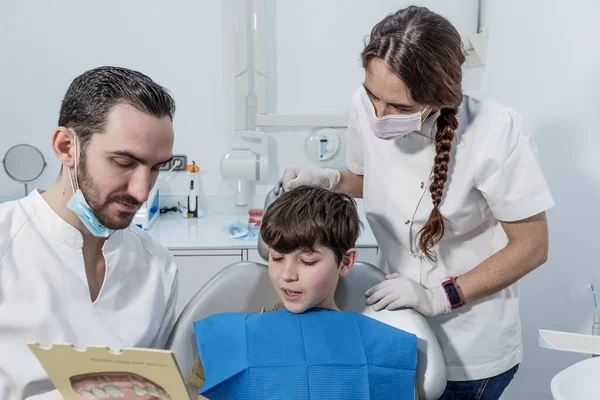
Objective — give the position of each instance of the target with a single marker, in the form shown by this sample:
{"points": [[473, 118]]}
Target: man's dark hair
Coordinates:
{"points": [[93, 94]]}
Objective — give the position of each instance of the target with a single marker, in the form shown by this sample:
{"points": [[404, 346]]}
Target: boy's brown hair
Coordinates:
{"points": [[309, 216]]}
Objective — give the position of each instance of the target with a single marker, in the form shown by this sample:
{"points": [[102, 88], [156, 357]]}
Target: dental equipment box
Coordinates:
{"points": [[149, 211], [99, 373]]}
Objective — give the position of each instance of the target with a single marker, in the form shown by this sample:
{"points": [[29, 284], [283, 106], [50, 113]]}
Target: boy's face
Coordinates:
{"points": [[305, 279]]}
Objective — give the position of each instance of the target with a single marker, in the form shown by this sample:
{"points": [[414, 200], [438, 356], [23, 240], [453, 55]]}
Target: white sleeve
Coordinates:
{"points": [[168, 321], [8, 373], [355, 152], [508, 172], [6, 386]]}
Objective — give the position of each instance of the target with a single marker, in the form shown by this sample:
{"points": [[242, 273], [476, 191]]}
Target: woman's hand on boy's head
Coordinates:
{"points": [[400, 292], [295, 176]]}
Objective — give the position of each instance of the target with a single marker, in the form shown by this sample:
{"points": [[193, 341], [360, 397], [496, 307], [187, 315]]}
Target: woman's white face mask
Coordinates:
{"points": [[394, 125]]}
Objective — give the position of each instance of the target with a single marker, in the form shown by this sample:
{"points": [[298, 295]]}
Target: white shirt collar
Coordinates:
{"points": [[50, 223], [429, 126], [54, 226]]}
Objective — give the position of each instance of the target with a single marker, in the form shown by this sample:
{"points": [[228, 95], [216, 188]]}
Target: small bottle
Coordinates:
{"points": [[193, 202]]}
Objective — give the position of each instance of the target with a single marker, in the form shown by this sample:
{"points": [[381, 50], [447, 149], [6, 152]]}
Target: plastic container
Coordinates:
{"points": [[255, 216]]}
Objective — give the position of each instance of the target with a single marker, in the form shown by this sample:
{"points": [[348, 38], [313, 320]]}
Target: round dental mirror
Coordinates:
{"points": [[24, 163]]}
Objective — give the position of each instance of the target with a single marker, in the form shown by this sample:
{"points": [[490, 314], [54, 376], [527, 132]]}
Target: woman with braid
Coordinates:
{"points": [[453, 192]]}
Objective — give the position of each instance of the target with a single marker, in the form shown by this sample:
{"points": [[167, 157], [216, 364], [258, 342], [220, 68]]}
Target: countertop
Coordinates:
{"points": [[209, 233]]}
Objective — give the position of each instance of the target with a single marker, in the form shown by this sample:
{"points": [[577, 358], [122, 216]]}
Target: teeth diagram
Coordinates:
{"points": [[117, 385], [100, 373]]}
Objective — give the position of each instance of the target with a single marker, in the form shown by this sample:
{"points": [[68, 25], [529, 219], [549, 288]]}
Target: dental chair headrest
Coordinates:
{"points": [[263, 249]]}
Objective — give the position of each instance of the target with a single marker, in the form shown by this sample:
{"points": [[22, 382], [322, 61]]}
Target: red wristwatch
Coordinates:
{"points": [[453, 292]]}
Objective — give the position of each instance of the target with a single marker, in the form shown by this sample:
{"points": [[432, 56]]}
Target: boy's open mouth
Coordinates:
{"points": [[290, 294]]}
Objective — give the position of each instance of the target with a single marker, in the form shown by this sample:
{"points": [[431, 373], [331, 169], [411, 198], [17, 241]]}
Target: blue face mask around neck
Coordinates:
{"points": [[86, 215], [82, 209]]}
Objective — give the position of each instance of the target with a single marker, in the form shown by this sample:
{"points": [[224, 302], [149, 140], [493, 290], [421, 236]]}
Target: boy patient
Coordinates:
{"points": [[311, 233]]}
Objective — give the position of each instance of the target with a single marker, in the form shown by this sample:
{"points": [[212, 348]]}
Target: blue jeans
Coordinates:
{"points": [[482, 389]]}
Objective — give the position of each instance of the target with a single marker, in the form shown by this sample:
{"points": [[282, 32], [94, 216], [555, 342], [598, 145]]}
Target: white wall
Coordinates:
{"points": [[187, 47], [183, 45], [544, 62], [319, 45]]}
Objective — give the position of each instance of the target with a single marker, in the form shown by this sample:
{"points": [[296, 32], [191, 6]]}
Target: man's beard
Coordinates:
{"points": [[91, 193]]}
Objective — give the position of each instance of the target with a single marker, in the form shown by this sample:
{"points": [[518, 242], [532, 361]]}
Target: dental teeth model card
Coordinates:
{"points": [[99, 373]]}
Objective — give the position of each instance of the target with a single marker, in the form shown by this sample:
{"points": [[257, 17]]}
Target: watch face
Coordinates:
{"points": [[453, 295]]}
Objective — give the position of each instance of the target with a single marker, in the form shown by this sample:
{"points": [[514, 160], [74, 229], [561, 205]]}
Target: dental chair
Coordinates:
{"points": [[246, 287]]}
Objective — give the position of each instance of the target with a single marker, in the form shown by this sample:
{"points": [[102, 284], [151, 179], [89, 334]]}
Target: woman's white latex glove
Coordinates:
{"points": [[399, 292], [294, 176]]}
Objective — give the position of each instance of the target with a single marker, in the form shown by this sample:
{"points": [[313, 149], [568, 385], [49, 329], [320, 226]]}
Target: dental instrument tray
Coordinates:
{"points": [[99, 373]]}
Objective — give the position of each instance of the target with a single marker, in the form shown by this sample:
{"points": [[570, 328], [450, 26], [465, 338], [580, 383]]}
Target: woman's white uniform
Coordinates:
{"points": [[494, 174]]}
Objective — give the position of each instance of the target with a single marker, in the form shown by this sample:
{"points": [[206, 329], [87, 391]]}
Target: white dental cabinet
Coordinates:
{"points": [[201, 247]]}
